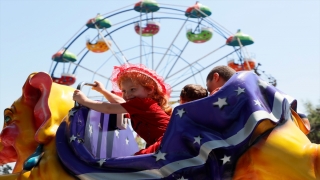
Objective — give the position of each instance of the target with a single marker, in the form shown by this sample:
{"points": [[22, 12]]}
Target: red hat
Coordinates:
{"points": [[119, 70]]}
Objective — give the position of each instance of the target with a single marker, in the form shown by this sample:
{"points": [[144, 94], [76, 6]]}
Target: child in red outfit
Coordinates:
{"points": [[144, 97]]}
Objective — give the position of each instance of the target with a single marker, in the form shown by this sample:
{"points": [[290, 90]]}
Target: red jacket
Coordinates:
{"points": [[148, 120]]}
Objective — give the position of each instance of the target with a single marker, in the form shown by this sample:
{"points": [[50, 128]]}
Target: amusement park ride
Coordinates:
{"points": [[247, 130], [169, 59]]}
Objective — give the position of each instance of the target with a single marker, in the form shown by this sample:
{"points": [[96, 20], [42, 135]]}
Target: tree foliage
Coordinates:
{"points": [[5, 169], [314, 119]]}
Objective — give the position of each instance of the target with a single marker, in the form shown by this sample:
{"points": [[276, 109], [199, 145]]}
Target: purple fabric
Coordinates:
{"points": [[204, 138]]}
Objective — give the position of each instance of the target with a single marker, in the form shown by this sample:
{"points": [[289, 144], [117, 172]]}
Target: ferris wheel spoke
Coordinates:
{"points": [[172, 43], [107, 43], [194, 77], [152, 53], [203, 69], [140, 33], [121, 22], [230, 33], [144, 55], [167, 53], [201, 77], [50, 67], [241, 50], [95, 72], [152, 47], [54, 68], [149, 51], [161, 71], [73, 37], [196, 61], [186, 73], [181, 52], [171, 54], [78, 65], [239, 54], [170, 58], [217, 28], [123, 56], [177, 59], [78, 55], [190, 65], [177, 78], [66, 47], [118, 10], [93, 79]]}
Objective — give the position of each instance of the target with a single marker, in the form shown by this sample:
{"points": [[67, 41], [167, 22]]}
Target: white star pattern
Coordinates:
{"points": [[240, 90], [182, 178], [117, 133], [257, 102], [90, 129], [221, 102], [263, 84], [101, 161], [180, 112], [72, 138], [197, 140], [225, 159], [127, 141], [160, 155], [71, 112], [99, 125]]}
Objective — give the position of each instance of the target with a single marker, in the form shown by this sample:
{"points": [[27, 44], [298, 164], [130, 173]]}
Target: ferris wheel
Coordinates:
{"points": [[180, 43]]}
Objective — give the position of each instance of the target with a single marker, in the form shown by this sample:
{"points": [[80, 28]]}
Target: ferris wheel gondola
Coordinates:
{"points": [[151, 29], [64, 56], [167, 51]]}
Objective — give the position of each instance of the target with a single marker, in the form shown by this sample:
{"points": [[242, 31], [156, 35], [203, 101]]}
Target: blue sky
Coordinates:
{"points": [[286, 35]]}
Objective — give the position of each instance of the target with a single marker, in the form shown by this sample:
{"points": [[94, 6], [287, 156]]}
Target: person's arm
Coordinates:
{"points": [[112, 98], [103, 107]]}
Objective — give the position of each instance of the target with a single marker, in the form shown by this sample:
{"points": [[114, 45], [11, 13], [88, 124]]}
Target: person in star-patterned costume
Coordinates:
{"points": [[217, 77]]}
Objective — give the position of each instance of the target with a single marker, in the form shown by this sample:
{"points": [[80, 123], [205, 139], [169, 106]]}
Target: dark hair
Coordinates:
{"points": [[225, 72], [193, 92]]}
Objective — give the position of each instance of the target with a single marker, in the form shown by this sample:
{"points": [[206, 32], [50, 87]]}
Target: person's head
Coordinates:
{"points": [[138, 81], [135, 84], [218, 76], [192, 92]]}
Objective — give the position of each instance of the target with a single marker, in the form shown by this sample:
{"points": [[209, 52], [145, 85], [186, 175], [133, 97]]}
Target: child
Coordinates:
{"points": [[191, 92], [217, 77], [145, 98]]}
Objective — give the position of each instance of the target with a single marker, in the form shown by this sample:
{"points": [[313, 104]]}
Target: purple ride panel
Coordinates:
{"points": [[101, 138]]}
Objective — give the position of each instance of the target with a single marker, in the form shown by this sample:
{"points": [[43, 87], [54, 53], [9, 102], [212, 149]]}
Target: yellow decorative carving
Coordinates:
{"points": [[34, 119]]}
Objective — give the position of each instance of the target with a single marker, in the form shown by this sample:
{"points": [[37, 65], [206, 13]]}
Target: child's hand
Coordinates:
{"points": [[98, 87], [79, 96]]}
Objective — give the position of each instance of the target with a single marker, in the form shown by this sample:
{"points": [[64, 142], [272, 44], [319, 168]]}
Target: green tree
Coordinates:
{"points": [[314, 119], [5, 169]]}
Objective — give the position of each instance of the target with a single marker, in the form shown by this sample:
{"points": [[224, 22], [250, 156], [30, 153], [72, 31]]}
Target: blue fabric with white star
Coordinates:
{"points": [[204, 138]]}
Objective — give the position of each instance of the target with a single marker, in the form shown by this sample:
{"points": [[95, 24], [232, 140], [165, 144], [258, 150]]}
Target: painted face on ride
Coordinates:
{"points": [[131, 90], [17, 131]]}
